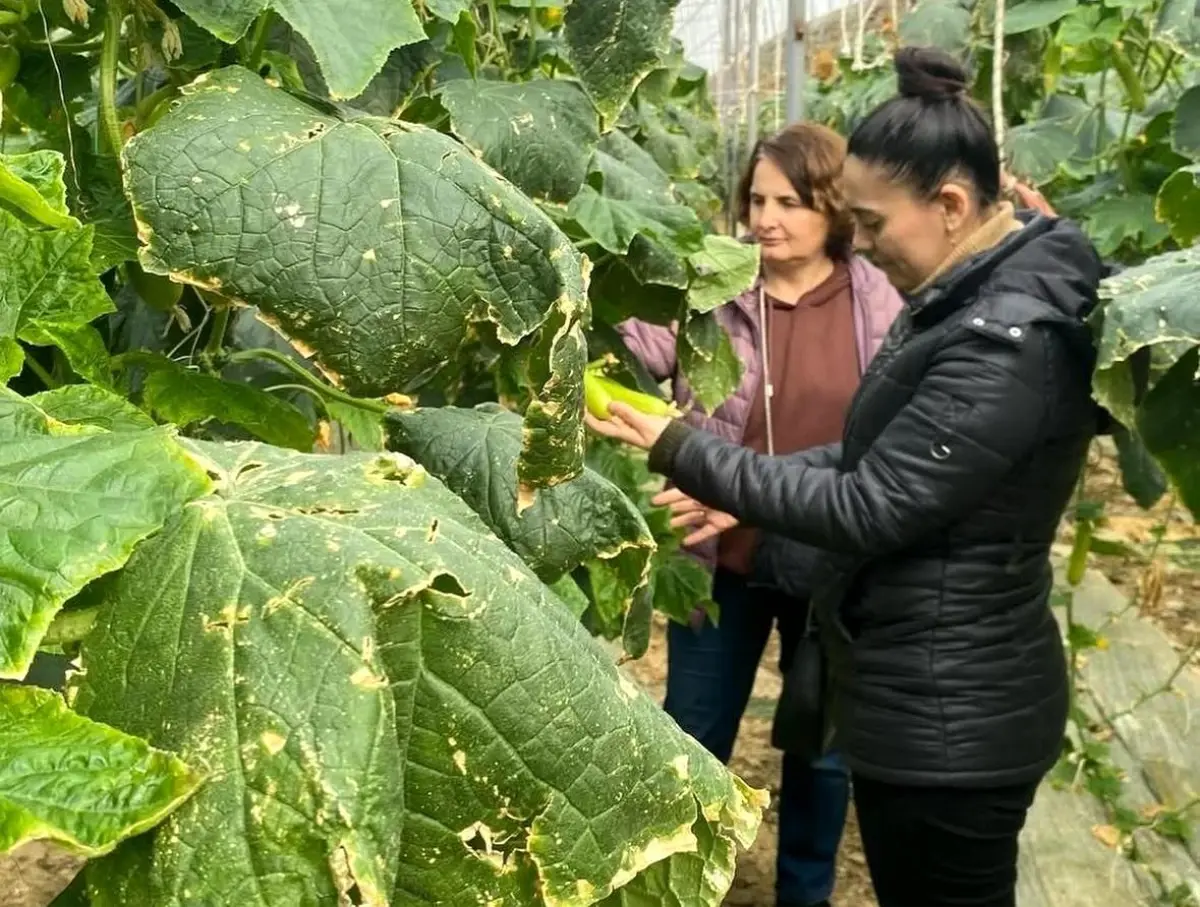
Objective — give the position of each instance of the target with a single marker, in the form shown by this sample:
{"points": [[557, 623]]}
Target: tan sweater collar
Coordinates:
{"points": [[988, 234]]}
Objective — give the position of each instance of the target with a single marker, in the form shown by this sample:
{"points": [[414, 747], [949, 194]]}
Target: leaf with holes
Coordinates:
{"points": [[76, 501], [80, 784], [390, 706], [539, 134], [588, 519], [614, 44], [385, 247]]}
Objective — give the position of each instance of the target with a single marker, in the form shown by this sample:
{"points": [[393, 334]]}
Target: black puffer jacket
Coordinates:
{"points": [[961, 451]]}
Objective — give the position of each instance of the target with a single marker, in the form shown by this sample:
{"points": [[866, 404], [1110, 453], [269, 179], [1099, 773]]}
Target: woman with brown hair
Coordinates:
{"points": [[804, 332]]}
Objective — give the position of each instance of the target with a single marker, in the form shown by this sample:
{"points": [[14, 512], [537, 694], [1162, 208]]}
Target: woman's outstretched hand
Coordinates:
{"points": [[628, 425], [641, 430], [687, 511], [1026, 195]]}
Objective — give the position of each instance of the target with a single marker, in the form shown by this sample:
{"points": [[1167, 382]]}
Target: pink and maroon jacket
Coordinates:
{"points": [[876, 303]]}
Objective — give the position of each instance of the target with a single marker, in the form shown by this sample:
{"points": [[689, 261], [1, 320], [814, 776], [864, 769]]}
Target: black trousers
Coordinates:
{"points": [[940, 846]]}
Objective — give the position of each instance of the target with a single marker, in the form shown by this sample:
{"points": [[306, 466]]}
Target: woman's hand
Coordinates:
{"points": [[687, 511], [1026, 195], [628, 425]]}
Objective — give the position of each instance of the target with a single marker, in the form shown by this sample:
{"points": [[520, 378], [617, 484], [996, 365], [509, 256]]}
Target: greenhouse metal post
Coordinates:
{"points": [[797, 68]]}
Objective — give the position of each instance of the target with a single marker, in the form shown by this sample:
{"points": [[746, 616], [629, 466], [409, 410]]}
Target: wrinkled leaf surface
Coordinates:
{"points": [[377, 244], [390, 705], [83, 785], [76, 501]]}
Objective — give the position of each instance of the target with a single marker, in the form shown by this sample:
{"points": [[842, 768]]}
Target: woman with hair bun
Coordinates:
{"points": [[938, 508]]}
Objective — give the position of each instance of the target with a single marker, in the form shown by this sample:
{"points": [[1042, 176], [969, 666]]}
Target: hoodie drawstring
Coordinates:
{"points": [[768, 388]]}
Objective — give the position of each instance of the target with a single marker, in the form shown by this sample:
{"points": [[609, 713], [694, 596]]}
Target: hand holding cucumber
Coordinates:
{"points": [[616, 411]]}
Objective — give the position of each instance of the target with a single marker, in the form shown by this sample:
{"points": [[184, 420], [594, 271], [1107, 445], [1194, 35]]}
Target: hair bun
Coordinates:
{"points": [[929, 74]]}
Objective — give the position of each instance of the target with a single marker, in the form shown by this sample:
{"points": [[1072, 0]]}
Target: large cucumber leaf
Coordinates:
{"points": [[614, 44], [85, 786], [539, 134], [391, 707], [474, 451], [76, 501], [383, 246], [1145, 373], [723, 270], [351, 39]]}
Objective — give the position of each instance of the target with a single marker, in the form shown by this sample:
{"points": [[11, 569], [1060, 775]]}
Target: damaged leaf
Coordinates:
{"points": [[380, 245], [474, 451], [538, 134], [614, 44], [391, 707]]}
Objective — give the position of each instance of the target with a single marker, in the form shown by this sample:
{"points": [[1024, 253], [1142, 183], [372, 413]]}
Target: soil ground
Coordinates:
{"points": [[1166, 586]]}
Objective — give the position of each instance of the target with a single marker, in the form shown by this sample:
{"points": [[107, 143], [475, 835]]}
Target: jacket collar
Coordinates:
{"points": [[962, 283]]}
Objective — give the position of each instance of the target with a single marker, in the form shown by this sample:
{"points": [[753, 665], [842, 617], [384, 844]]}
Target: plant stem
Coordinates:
{"points": [[220, 324], [300, 372], [44, 376], [109, 58], [998, 123], [494, 28], [1168, 69], [258, 41], [532, 34], [1165, 687]]}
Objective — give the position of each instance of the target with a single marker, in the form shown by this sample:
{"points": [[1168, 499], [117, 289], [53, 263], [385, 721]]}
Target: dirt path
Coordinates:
{"points": [[758, 764], [33, 875]]}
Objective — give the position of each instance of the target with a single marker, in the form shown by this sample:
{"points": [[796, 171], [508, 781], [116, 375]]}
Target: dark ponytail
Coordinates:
{"points": [[931, 130]]}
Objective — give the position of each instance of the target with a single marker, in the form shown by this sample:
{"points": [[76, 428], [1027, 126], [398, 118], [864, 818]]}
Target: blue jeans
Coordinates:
{"points": [[710, 674]]}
